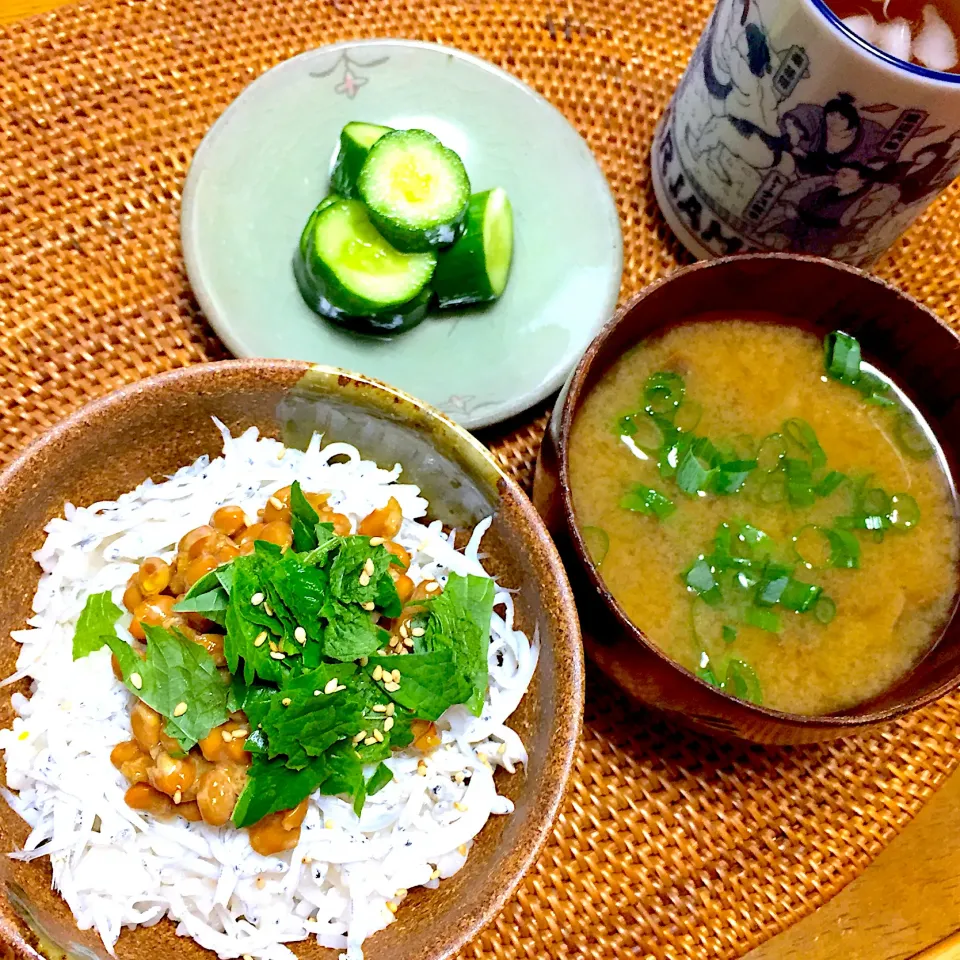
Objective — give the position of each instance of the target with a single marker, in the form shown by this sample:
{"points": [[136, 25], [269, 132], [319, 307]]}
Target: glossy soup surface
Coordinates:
{"points": [[750, 377]]}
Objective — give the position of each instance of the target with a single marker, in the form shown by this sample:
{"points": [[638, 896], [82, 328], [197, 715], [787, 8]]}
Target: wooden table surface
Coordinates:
{"points": [[905, 906]]}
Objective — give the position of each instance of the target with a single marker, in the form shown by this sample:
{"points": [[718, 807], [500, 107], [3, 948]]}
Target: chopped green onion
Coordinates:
{"points": [[911, 437], [762, 619], [829, 483], [812, 546], [825, 609], [696, 471], [598, 543], [625, 427], [673, 453], [647, 433], [875, 502], [744, 447], [742, 682], [774, 582], [707, 675], [732, 475], [699, 578], [799, 596], [774, 489], [688, 416], [729, 633], [771, 451], [802, 434], [844, 549], [875, 390], [754, 536], [799, 483], [648, 501], [904, 512], [842, 357], [663, 392]]}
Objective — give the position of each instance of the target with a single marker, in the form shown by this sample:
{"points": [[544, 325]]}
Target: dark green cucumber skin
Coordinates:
{"points": [[321, 289], [312, 219], [389, 323], [347, 167], [408, 239], [384, 324], [464, 259]]}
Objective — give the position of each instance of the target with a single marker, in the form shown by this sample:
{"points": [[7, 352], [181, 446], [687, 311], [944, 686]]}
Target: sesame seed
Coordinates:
{"points": [[422, 769], [408, 643], [391, 687], [458, 776], [273, 645], [329, 824], [401, 893], [368, 566], [300, 634], [393, 642], [261, 639], [391, 707], [364, 579], [240, 733], [392, 907], [331, 685], [226, 736], [403, 629], [379, 708], [462, 849], [432, 587], [388, 724], [368, 606], [276, 502], [377, 672], [396, 676], [268, 610], [286, 701], [342, 686], [381, 652], [417, 632], [277, 655], [257, 599], [261, 883], [435, 875], [317, 693], [177, 796], [370, 741], [364, 661], [501, 750], [378, 735], [306, 860], [376, 541], [136, 680], [362, 735], [180, 709], [481, 756], [462, 807]]}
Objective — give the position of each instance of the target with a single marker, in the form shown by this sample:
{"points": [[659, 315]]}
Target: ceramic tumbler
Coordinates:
{"points": [[790, 133]]}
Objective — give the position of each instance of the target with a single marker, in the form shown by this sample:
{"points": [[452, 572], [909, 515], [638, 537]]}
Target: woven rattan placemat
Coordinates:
{"points": [[670, 845]]}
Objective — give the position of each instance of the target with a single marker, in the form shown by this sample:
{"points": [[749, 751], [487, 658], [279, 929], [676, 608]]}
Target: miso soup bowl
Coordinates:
{"points": [[152, 428], [908, 342]]}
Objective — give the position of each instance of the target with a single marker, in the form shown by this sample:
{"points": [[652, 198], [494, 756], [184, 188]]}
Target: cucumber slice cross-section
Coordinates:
{"points": [[415, 189], [349, 267], [356, 139], [475, 269]]}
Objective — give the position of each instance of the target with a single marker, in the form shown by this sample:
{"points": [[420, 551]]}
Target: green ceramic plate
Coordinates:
{"points": [[264, 165]]}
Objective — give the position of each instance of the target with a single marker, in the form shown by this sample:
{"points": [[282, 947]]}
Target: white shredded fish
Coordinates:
{"points": [[118, 867]]}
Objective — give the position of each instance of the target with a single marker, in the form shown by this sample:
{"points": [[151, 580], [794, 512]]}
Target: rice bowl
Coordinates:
{"points": [[347, 874]]}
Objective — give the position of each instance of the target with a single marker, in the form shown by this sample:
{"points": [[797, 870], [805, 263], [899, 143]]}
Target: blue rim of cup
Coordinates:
{"points": [[925, 72]]}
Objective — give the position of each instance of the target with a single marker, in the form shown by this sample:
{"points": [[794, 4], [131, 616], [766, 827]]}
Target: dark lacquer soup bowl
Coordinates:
{"points": [[152, 428], [905, 340]]}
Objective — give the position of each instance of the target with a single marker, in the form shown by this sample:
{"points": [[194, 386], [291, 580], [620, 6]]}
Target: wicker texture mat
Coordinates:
{"points": [[670, 845]]}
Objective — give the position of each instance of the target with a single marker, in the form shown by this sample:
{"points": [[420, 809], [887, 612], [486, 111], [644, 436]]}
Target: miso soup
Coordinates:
{"points": [[769, 510]]}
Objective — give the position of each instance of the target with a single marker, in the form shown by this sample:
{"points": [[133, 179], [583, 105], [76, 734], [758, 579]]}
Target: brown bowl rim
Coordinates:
{"points": [[480, 458], [567, 405]]}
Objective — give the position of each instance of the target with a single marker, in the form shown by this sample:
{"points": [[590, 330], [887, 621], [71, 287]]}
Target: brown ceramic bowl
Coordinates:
{"points": [[906, 340], [152, 428]]}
